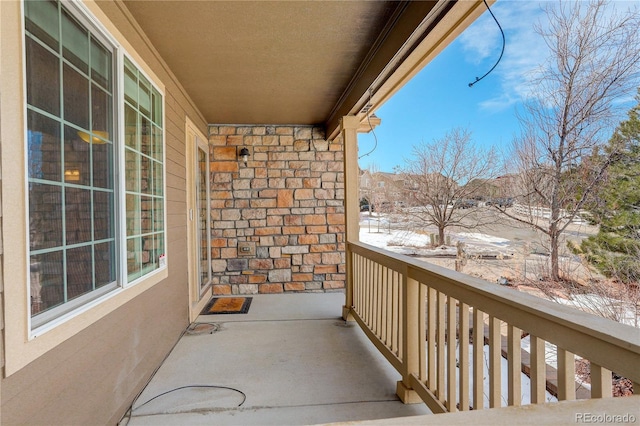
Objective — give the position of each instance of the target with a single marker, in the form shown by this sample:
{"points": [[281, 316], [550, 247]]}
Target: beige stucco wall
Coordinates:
{"points": [[92, 377]]}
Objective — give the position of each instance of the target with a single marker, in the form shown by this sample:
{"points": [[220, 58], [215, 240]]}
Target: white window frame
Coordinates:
{"points": [[23, 344], [122, 214], [69, 307]]}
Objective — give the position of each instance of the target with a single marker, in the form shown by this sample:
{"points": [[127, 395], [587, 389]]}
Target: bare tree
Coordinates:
{"points": [[437, 175], [576, 98]]}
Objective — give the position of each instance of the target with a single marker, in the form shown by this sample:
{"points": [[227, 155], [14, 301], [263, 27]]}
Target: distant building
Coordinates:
{"points": [[388, 190]]}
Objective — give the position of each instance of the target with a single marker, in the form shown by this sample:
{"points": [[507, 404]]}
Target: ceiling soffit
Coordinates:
{"points": [[263, 62], [297, 62]]}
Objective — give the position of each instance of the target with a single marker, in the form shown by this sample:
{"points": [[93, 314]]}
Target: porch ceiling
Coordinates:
{"points": [[288, 62]]}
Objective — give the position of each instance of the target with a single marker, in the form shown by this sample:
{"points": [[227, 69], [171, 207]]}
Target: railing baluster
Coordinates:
{"points": [[495, 365], [365, 272], [379, 308], [394, 316], [478, 359], [431, 338], [440, 390], [601, 383], [357, 283], [361, 272], [451, 354], [374, 305], [566, 375], [375, 319], [369, 291], [514, 356], [537, 370], [362, 302], [463, 357], [386, 310], [422, 355], [401, 314], [354, 279], [383, 300]]}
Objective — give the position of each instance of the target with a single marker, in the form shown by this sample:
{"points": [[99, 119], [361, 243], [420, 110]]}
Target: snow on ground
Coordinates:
{"points": [[376, 231], [403, 242], [475, 237]]}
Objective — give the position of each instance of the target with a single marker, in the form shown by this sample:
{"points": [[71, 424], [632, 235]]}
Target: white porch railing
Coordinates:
{"points": [[411, 311], [545, 213]]}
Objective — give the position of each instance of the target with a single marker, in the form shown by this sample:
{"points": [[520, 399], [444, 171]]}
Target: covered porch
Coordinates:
{"points": [[291, 359], [398, 332], [376, 346]]}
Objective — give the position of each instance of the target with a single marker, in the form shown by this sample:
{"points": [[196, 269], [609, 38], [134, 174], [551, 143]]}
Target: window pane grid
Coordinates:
{"points": [[75, 41], [42, 20], [69, 185], [103, 82], [73, 202], [144, 174], [70, 246], [97, 79], [64, 158], [43, 67]]}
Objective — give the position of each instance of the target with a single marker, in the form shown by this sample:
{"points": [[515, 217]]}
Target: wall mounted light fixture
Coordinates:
{"points": [[244, 155]]}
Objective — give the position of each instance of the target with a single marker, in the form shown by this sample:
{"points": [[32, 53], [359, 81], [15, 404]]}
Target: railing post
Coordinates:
{"points": [[411, 306], [349, 131]]}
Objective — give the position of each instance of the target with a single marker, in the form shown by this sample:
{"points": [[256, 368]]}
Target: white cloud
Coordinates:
{"points": [[480, 40], [525, 50]]}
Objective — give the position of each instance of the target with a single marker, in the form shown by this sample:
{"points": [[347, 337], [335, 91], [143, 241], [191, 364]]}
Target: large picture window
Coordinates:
{"points": [[75, 250]]}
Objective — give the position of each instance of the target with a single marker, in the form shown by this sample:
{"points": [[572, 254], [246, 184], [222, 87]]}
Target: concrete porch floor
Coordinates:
{"points": [[289, 360]]}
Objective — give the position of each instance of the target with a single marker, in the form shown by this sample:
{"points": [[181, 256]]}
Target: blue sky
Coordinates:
{"points": [[439, 97]]}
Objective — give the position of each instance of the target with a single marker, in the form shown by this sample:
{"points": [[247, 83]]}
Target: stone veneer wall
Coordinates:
{"points": [[286, 204]]}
